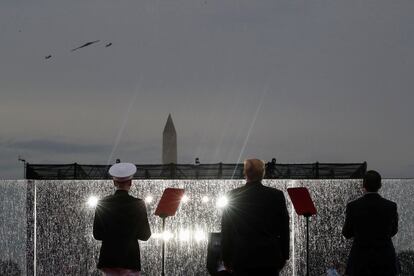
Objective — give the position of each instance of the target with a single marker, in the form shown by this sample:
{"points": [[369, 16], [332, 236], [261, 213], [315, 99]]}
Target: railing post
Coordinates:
{"points": [[220, 171], [364, 166], [172, 170], [197, 172], [75, 171]]}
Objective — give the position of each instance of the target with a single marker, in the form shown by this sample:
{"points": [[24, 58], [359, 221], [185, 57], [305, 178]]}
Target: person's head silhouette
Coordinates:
{"points": [[254, 170], [122, 175], [372, 181]]}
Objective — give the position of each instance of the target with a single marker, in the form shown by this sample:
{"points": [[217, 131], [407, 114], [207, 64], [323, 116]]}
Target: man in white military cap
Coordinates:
{"points": [[120, 221]]}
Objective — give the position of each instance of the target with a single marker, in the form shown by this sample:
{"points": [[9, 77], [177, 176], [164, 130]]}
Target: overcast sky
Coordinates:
{"points": [[302, 81]]}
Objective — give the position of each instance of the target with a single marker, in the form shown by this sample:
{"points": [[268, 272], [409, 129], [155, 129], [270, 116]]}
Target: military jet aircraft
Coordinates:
{"points": [[85, 45]]}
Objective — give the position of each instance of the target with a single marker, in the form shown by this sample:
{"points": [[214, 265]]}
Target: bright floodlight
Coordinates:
{"points": [[92, 201], [184, 235], [185, 199], [156, 235], [205, 199], [149, 199], [200, 235], [163, 235], [167, 235], [222, 202]]}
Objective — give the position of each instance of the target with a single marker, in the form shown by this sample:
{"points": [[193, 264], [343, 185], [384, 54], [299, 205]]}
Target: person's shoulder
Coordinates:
{"points": [[272, 190], [107, 198], [370, 199], [236, 190], [133, 198], [136, 200], [389, 202], [355, 202]]}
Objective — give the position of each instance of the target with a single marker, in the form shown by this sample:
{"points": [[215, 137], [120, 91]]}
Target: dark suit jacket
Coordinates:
{"points": [[255, 228], [120, 220], [371, 221]]}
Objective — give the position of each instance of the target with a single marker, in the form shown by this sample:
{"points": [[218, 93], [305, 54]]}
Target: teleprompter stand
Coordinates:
{"points": [[303, 204], [167, 207]]}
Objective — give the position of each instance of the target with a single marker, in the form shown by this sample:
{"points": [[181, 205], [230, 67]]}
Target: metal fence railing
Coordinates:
{"points": [[199, 171]]}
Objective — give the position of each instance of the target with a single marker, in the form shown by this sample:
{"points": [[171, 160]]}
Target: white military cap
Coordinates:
{"points": [[122, 171]]}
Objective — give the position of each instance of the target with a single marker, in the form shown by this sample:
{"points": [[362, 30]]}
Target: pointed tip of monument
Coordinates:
{"points": [[169, 119], [169, 125]]}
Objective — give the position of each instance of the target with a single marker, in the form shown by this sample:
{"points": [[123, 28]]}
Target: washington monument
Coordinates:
{"points": [[169, 143]]}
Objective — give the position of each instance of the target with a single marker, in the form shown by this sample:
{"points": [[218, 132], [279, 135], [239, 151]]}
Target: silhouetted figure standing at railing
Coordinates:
{"points": [[120, 221], [255, 226], [371, 221]]}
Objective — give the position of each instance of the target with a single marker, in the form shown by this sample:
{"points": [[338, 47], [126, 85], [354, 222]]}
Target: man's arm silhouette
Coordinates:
{"points": [[226, 247], [394, 226], [347, 230], [98, 231], [144, 231], [285, 236]]}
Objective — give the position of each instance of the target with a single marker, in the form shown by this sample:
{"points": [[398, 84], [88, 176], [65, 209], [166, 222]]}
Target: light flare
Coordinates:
{"points": [[222, 202], [149, 199], [92, 201], [185, 199], [184, 235], [200, 235]]}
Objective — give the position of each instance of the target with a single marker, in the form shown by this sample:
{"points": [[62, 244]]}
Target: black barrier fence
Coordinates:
{"points": [[199, 171]]}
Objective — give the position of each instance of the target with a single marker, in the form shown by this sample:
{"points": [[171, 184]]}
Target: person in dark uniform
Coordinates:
{"points": [[371, 221], [120, 221], [255, 226]]}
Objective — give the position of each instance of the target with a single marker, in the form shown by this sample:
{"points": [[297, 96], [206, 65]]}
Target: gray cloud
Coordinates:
{"points": [[49, 146], [338, 75]]}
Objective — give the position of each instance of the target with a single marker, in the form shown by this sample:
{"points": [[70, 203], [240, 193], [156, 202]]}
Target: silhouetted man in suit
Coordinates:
{"points": [[120, 221], [255, 226], [371, 221]]}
